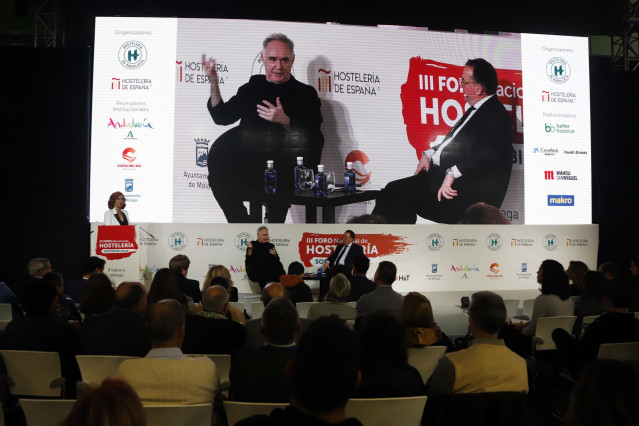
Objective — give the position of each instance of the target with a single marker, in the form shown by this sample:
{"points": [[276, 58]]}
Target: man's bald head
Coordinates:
{"points": [[166, 323], [215, 299], [272, 291], [131, 295]]}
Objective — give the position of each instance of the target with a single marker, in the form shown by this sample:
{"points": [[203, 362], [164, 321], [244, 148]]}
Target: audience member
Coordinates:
{"points": [[421, 328], [179, 265], [575, 272], [39, 267], [41, 330], [634, 271], [383, 298], [166, 376], [259, 374], [8, 296], [610, 270], [591, 300], [298, 290], [113, 403], [335, 303], [212, 331], [122, 330], [483, 214], [66, 309], [606, 395], [164, 286], [319, 399], [487, 365], [385, 369], [233, 313], [221, 271], [98, 296], [360, 284], [92, 265]]}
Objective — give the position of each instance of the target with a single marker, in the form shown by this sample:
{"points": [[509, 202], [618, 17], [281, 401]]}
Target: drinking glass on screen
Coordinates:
{"points": [[306, 179], [330, 181]]}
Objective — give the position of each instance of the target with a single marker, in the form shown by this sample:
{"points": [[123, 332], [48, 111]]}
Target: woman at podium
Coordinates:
{"points": [[116, 215]]}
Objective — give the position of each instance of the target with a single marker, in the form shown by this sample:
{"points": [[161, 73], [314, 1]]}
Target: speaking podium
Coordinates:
{"points": [[118, 245]]}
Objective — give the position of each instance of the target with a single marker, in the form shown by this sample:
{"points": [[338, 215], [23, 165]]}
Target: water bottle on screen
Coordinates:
{"points": [[349, 179], [320, 182], [297, 173], [270, 178]]}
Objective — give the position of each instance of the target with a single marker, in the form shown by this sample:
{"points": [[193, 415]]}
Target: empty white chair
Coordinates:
{"points": [[33, 373], [526, 312], [223, 365], [353, 304], [46, 412], [542, 341], [587, 320], [303, 308], [236, 411], [3, 324], [179, 415], [256, 309], [628, 351], [511, 307], [425, 359], [387, 411], [5, 312], [96, 368]]}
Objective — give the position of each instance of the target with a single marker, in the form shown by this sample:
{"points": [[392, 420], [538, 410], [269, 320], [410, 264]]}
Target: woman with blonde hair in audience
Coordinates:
{"points": [[421, 328], [113, 403], [220, 271], [335, 303]]}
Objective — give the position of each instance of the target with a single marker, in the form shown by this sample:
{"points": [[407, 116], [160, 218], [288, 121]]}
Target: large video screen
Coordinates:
{"points": [[385, 95]]}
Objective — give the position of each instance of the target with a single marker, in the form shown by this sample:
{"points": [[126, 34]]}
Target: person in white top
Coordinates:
{"points": [[116, 215]]}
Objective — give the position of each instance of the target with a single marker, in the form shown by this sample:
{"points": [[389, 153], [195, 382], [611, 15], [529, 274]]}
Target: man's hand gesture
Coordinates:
{"points": [[446, 190], [273, 113]]}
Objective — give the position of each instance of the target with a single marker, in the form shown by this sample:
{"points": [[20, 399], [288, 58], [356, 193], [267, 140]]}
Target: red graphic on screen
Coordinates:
{"points": [[116, 242], [432, 100], [359, 160], [321, 246]]}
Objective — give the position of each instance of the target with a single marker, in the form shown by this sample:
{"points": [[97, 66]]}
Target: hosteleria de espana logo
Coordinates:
{"points": [[132, 55]]}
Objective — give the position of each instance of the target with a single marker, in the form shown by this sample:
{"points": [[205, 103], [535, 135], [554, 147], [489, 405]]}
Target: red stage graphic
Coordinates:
{"points": [[116, 242]]}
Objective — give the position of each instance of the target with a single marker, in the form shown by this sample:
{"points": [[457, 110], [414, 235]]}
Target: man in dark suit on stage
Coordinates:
{"points": [[471, 164], [340, 261]]}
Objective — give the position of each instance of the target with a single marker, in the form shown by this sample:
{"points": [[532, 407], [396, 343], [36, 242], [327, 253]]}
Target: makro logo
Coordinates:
{"points": [[494, 242], [545, 151], [132, 55], [551, 241], [324, 80], [128, 185], [549, 175], [129, 154], [178, 241], [561, 200], [558, 70], [434, 242], [359, 160], [241, 240]]}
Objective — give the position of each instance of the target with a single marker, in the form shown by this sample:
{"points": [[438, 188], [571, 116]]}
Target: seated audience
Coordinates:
{"points": [[487, 365], [610, 270], [164, 286], [383, 298], [421, 329], [483, 214], [254, 335], [259, 374], [179, 265], [211, 331], [39, 267], [41, 330], [298, 290], [591, 300], [575, 272], [121, 330], [221, 271], [8, 296], [98, 296], [385, 369], [66, 309], [319, 399], [92, 265], [167, 376], [233, 313], [606, 395], [360, 284], [335, 303], [113, 403]]}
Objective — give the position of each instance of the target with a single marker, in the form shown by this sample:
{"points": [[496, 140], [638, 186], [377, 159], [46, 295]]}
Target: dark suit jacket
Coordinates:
{"points": [[259, 374], [117, 332], [382, 299], [360, 285], [348, 262], [74, 289], [189, 288], [212, 336]]}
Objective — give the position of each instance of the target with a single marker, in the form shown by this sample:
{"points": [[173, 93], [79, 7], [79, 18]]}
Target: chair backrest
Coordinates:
{"points": [[528, 307], [628, 351], [254, 286], [637, 315], [511, 307], [238, 305], [33, 373], [353, 304], [223, 366], [303, 308], [5, 312], [96, 368], [478, 409], [256, 309], [3, 324], [387, 411], [545, 326], [179, 415], [46, 412], [587, 320], [236, 411], [425, 359]]}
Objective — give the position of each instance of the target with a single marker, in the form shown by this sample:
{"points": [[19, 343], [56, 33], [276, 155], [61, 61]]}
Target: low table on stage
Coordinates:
{"points": [[308, 199]]}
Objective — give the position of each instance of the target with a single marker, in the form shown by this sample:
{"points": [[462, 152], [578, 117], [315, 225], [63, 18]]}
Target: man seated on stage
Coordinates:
{"points": [[383, 298], [340, 261], [487, 365], [262, 261]]}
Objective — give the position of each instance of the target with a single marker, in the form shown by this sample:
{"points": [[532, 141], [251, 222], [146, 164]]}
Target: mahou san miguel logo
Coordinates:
{"points": [[433, 100], [313, 246]]}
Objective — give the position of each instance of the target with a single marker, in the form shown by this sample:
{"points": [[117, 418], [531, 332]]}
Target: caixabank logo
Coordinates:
{"points": [[132, 55], [558, 70]]}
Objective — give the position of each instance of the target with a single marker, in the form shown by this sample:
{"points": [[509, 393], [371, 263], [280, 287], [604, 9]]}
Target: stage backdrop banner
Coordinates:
{"points": [[429, 258]]}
